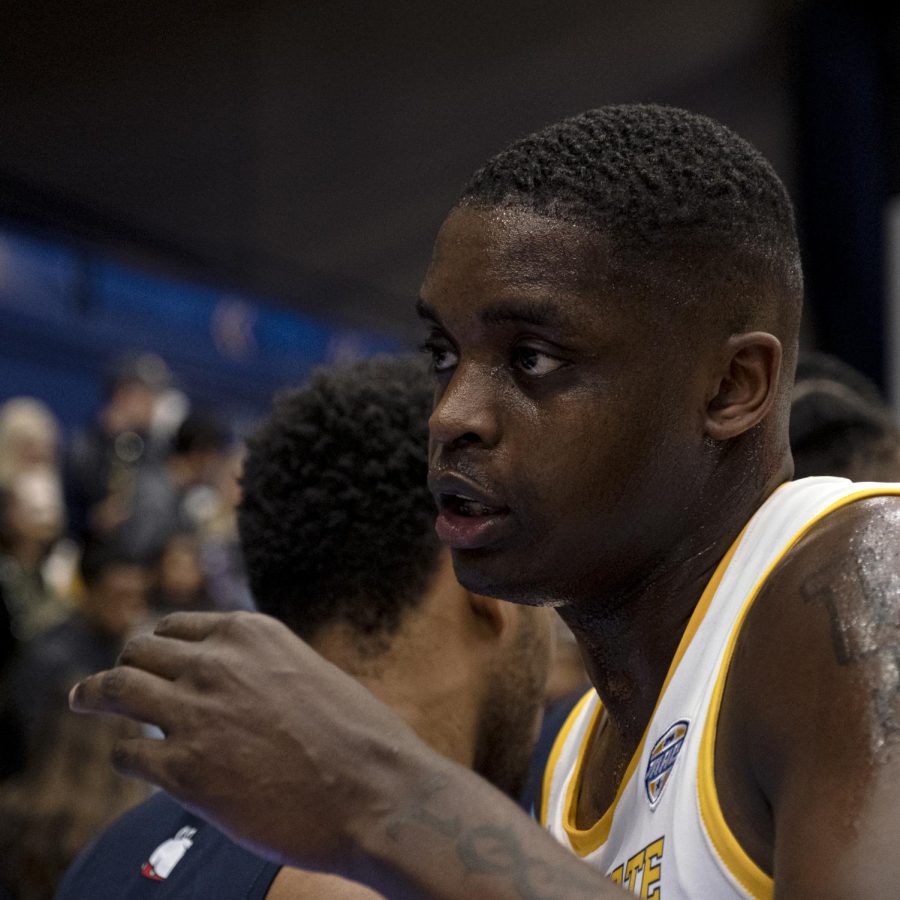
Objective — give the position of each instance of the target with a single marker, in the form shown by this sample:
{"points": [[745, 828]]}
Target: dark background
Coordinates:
{"points": [[306, 152]]}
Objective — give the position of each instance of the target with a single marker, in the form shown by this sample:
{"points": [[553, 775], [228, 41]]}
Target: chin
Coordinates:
{"points": [[492, 575]]}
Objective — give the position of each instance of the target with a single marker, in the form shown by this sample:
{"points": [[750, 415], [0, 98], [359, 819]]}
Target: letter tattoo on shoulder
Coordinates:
{"points": [[860, 591]]}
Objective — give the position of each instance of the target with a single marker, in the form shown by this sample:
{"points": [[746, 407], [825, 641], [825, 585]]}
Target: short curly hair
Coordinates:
{"points": [[336, 521], [674, 192]]}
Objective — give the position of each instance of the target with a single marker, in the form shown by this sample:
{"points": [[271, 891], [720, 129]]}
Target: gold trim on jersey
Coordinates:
{"points": [[733, 856], [558, 743], [586, 840]]}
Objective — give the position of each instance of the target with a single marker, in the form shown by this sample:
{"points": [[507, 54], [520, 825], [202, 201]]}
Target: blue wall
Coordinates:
{"points": [[65, 317]]}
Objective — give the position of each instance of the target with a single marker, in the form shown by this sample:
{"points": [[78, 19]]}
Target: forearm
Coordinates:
{"points": [[446, 833], [259, 750]]}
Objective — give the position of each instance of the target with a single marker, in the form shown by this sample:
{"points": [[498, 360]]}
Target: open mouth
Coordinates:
{"points": [[467, 523], [461, 505]]}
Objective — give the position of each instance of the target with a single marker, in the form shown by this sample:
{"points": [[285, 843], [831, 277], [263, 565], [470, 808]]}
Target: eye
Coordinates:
{"points": [[535, 362], [443, 356]]}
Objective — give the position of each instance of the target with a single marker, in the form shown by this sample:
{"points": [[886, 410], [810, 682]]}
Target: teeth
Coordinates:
{"points": [[471, 508], [466, 506]]}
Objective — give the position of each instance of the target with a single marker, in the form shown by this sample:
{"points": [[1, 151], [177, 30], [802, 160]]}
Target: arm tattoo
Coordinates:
{"points": [[860, 591], [491, 849], [495, 850]]}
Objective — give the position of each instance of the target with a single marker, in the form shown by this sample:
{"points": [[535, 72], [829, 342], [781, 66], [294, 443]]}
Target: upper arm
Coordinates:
{"points": [[817, 683]]}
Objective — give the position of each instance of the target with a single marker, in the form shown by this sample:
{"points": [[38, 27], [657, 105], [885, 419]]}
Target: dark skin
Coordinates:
{"points": [[612, 456], [553, 366]]}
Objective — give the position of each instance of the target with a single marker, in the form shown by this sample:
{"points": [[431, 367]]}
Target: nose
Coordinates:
{"points": [[465, 411]]}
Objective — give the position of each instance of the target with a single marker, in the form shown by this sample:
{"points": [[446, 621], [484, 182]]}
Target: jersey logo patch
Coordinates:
{"points": [[662, 758], [168, 854]]}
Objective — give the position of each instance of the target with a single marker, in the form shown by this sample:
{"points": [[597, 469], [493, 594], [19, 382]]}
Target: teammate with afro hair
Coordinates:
{"points": [[337, 530], [336, 520]]}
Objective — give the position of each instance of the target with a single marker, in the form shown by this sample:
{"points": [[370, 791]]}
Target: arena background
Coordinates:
{"points": [[250, 188]]}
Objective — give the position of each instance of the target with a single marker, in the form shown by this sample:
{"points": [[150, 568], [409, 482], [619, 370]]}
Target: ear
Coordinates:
{"points": [[746, 386], [495, 615]]}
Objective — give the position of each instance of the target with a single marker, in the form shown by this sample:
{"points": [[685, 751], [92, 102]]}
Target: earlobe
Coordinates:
{"points": [[746, 386]]}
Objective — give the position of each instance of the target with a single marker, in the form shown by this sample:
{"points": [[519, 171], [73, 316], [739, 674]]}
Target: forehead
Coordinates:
{"points": [[517, 249]]}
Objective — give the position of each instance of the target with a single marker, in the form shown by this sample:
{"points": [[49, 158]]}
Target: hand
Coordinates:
{"points": [[298, 762], [263, 737]]}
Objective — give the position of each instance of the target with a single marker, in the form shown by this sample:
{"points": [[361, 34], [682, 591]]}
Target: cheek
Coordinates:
{"points": [[581, 457]]}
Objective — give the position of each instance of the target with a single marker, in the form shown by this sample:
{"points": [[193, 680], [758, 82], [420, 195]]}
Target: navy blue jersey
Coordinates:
{"points": [[555, 716], [158, 850]]}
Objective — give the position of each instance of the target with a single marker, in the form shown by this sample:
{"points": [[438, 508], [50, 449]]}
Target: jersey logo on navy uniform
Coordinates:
{"points": [[168, 854], [662, 758]]}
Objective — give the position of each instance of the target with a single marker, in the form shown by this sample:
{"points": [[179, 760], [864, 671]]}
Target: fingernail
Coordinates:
{"points": [[73, 695]]}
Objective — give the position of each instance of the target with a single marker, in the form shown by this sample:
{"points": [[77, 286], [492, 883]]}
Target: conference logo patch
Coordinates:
{"points": [[168, 854], [662, 758]]}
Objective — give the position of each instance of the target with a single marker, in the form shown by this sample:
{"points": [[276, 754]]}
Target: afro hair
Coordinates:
{"points": [[336, 520]]}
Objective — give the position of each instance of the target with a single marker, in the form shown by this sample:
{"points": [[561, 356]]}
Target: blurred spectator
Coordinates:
{"points": [[220, 547], [840, 423], [66, 796], [113, 605], [104, 457], [29, 443], [66, 791], [181, 580], [11, 750], [164, 501], [31, 521], [29, 438]]}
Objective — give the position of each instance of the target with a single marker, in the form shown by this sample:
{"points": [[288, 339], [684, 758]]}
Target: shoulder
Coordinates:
{"points": [[810, 712], [161, 841], [817, 657], [108, 863], [844, 573]]}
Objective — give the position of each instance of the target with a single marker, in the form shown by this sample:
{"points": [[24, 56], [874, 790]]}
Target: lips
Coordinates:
{"points": [[469, 517]]}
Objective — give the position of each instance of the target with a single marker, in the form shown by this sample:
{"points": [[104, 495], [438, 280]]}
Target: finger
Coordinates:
{"points": [[165, 764], [190, 626], [161, 656], [146, 758], [126, 692]]}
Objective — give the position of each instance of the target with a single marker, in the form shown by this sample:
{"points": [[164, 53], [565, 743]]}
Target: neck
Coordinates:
{"points": [[629, 636], [418, 676], [434, 712]]}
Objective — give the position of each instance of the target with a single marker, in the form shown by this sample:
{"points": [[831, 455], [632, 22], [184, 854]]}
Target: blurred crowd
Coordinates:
{"points": [[133, 515], [102, 531]]}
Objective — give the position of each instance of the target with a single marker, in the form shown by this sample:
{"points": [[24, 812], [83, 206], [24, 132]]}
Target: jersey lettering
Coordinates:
{"points": [[641, 874]]}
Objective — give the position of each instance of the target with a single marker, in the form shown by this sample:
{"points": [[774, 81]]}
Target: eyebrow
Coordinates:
{"points": [[424, 311], [534, 312]]}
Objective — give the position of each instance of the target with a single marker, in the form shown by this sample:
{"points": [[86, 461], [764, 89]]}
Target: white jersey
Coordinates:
{"points": [[664, 835]]}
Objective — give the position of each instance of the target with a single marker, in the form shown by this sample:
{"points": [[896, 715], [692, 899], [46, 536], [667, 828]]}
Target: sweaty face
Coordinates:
{"points": [[567, 434]]}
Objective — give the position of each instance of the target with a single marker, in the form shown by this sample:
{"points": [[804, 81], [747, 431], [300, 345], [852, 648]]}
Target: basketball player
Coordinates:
{"points": [[336, 526], [613, 309]]}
